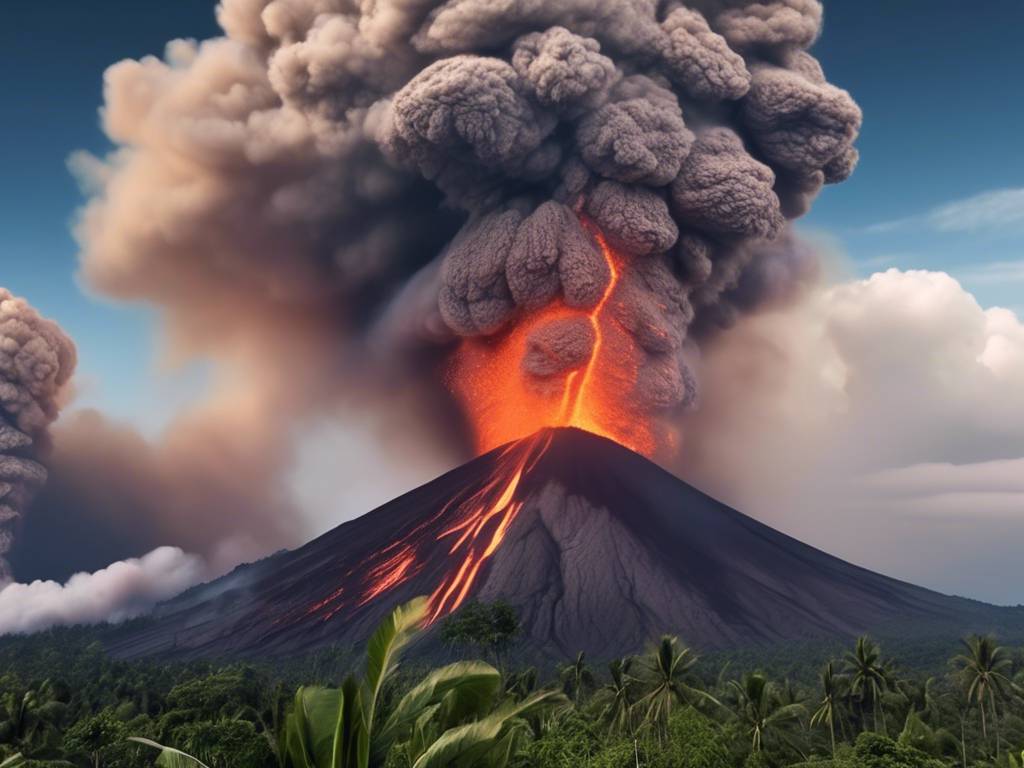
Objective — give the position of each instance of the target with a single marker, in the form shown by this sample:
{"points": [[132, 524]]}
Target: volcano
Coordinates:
{"points": [[596, 547]]}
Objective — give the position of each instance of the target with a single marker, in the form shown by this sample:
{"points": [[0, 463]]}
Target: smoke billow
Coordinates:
{"points": [[328, 197], [120, 591], [36, 361]]}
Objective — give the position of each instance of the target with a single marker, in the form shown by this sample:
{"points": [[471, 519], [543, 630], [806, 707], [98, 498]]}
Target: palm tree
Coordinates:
{"points": [[616, 698], [758, 706], [576, 678], [869, 676], [665, 676], [828, 708], [29, 717], [983, 669]]}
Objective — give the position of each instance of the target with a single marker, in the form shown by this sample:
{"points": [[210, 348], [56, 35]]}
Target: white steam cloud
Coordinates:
{"points": [[120, 591], [880, 419]]}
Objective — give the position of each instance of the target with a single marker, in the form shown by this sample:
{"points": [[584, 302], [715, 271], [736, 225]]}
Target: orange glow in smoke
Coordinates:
{"points": [[504, 403]]}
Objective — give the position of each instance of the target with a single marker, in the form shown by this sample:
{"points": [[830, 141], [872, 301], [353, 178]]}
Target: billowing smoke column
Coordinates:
{"points": [[338, 187], [686, 135], [36, 361]]}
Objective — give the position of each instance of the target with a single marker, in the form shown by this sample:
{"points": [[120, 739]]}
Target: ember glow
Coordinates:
{"points": [[505, 403]]}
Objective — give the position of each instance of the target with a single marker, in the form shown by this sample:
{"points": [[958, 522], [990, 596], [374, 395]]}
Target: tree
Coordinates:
{"points": [[984, 672], [30, 718], [616, 700], [488, 627], [95, 736], [759, 708], [869, 676], [576, 678], [873, 750], [665, 677], [831, 689]]}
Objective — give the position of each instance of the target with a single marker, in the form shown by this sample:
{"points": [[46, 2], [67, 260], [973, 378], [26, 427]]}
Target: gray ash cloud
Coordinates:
{"points": [[36, 362]]}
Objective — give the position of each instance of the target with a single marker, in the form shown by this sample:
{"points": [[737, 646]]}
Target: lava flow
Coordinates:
{"points": [[508, 408]]}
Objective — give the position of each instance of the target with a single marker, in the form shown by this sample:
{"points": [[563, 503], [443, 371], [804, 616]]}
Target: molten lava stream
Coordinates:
{"points": [[482, 522]]}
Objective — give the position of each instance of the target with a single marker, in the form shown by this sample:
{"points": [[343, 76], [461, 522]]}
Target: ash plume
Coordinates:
{"points": [[325, 199], [36, 361]]}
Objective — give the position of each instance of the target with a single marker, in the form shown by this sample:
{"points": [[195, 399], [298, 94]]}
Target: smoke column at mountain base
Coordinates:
{"points": [[415, 189]]}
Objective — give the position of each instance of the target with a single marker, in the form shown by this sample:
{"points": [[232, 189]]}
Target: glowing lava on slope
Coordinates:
{"points": [[506, 404]]}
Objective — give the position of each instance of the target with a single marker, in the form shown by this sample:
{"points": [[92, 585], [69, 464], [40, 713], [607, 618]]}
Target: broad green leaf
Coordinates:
{"points": [[169, 756], [463, 746], [474, 682], [393, 634], [313, 723]]}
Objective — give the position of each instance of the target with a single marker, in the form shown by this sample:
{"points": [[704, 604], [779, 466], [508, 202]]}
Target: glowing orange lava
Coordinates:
{"points": [[504, 403], [390, 573], [483, 520]]}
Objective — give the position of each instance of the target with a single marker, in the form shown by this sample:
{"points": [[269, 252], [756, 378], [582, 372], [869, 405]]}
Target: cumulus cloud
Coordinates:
{"points": [[875, 405], [120, 591]]}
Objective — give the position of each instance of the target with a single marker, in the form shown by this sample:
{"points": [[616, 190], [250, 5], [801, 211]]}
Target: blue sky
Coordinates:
{"points": [[937, 80], [938, 187]]}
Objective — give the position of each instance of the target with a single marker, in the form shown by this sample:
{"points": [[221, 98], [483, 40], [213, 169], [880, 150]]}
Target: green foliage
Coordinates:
{"points": [[224, 743], [665, 679], [872, 750], [767, 713], [488, 628], [695, 742], [65, 703], [101, 738], [571, 741], [691, 740]]}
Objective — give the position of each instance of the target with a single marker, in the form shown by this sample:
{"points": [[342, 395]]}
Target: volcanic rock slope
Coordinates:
{"points": [[607, 552]]}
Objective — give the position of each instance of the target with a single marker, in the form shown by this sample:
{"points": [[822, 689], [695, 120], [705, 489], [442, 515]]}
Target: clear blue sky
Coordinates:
{"points": [[938, 81]]}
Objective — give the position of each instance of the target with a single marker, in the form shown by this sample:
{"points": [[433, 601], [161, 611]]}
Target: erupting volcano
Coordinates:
{"points": [[596, 547], [513, 407]]}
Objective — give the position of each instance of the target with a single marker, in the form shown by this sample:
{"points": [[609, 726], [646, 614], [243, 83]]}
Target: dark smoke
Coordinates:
{"points": [[36, 361], [326, 197]]}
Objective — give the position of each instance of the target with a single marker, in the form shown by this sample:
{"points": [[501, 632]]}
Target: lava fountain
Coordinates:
{"points": [[505, 403]]}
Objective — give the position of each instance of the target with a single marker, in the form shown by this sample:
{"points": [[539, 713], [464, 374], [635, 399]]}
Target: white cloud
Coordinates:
{"points": [[992, 273], [120, 591], [994, 210], [882, 420]]}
